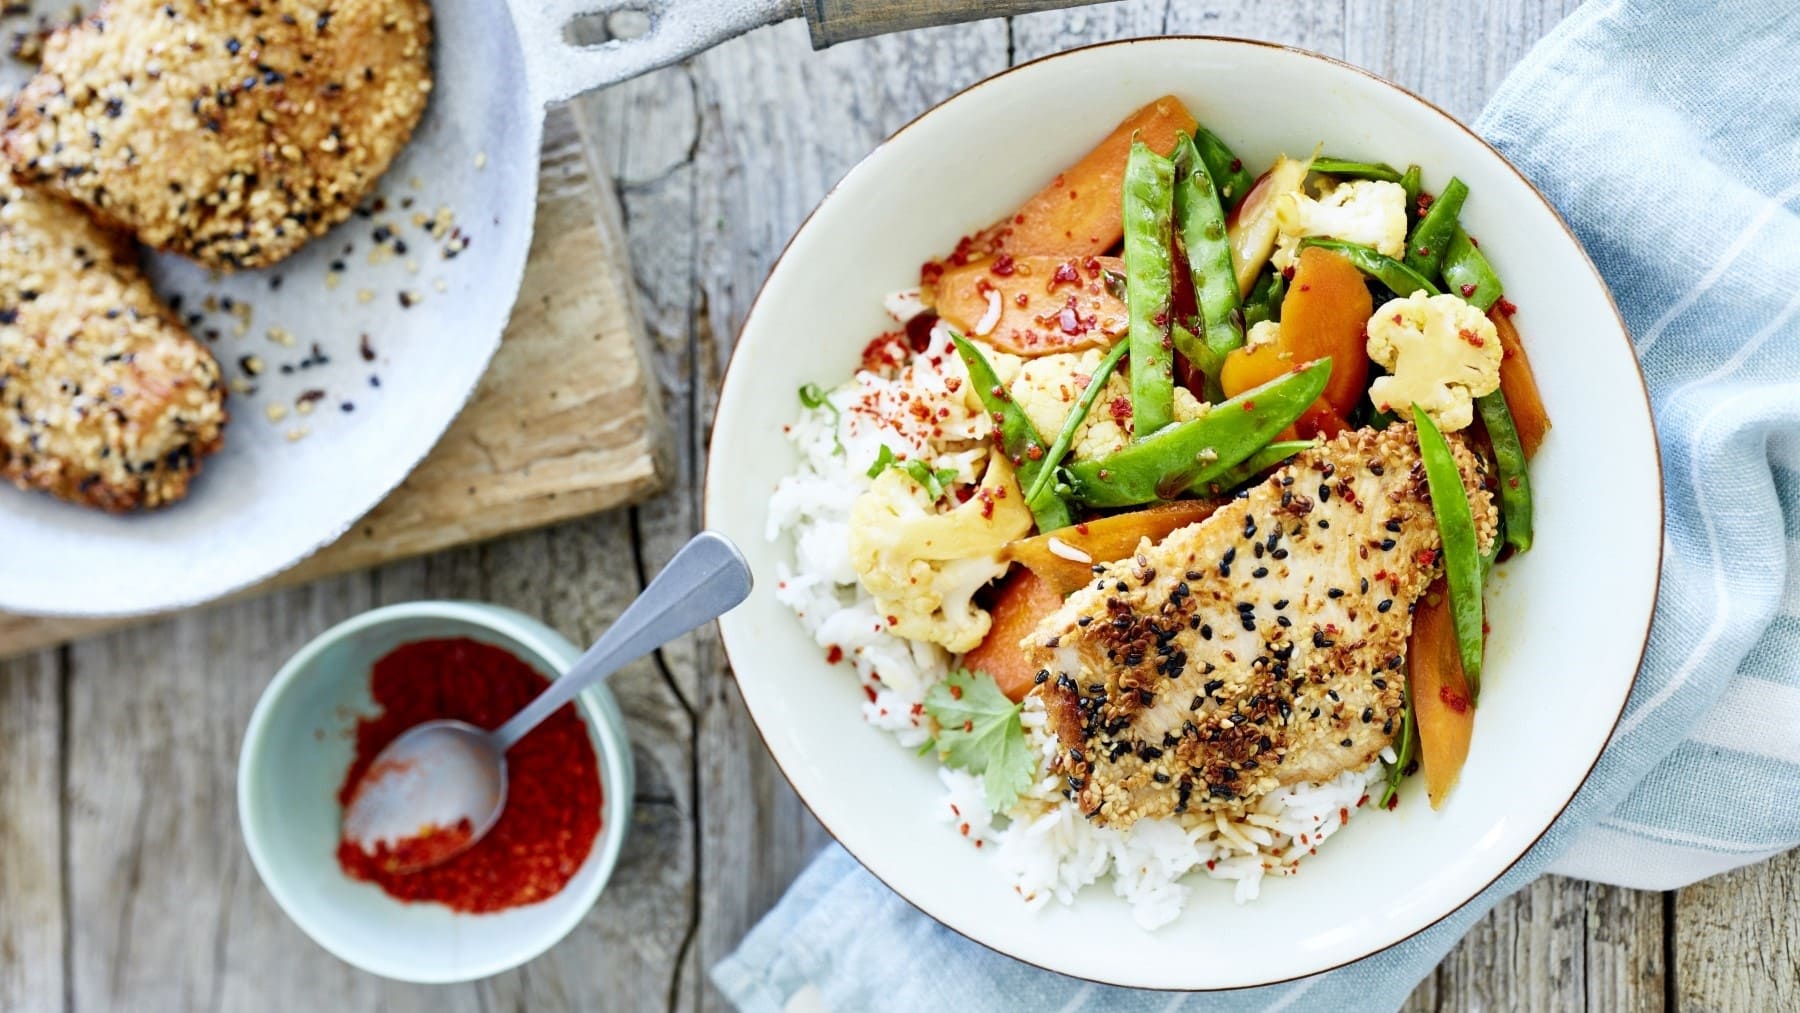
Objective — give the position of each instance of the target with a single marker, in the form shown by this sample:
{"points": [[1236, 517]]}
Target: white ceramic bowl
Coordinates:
{"points": [[1570, 617], [296, 751]]}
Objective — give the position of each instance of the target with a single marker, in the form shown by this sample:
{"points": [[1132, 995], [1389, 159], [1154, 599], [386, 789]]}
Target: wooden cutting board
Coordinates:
{"points": [[565, 423]]}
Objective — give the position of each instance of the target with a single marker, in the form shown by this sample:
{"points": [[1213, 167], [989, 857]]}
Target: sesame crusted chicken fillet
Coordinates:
{"points": [[107, 401], [230, 131], [1261, 647]]}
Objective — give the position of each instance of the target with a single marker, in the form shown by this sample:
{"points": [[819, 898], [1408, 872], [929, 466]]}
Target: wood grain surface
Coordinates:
{"points": [[564, 423], [123, 881]]}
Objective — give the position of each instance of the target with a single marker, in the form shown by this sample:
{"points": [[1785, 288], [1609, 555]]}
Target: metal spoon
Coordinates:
{"points": [[439, 787]]}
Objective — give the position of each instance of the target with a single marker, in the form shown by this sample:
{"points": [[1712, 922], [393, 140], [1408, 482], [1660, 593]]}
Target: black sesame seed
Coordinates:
{"points": [[1284, 621], [1368, 715], [1394, 525], [1083, 620], [1336, 592], [1387, 544], [1260, 572], [1324, 493], [1384, 605], [1205, 631]]}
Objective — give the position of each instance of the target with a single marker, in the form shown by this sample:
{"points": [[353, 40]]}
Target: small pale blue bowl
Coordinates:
{"points": [[301, 741]]}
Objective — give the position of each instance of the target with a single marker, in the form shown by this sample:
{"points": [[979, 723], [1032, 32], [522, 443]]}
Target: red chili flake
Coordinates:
{"points": [[869, 691], [1034, 452], [1362, 801], [965, 829], [1513, 482], [1471, 337], [1237, 165], [1453, 700], [1506, 307], [1468, 290], [1475, 242], [834, 654], [952, 383], [929, 273], [1393, 802], [1306, 288], [1424, 251], [1120, 408], [893, 620], [1287, 273], [1003, 265], [1399, 319], [1249, 406], [1018, 219], [1065, 274], [1092, 264], [968, 726], [552, 814], [1072, 195], [1021, 300], [1343, 816], [1425, 557]]}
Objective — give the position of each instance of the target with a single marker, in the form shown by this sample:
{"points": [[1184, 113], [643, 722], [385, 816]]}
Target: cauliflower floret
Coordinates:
{"points": [[1109, 429], [1442, 354], [1263, 332], [1048, 386], [1366, 211], [924, 567]]}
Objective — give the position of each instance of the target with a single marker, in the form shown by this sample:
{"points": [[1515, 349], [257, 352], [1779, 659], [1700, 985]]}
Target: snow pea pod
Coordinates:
{"points": [[1462, 553], [1349, 168], [1509, 458], [1018, 438], [1431, 236], [1412, 181], [1468, 273], [1409, 744], [1188, 457], [1256, 463], [1200, 226], [1392, 274], [1264, 301], [1149, 285], [1064, 440], [1226, 169]]}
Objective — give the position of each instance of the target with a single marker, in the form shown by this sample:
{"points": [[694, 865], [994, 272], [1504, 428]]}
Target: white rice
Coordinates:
{"points": [[1044, 844]]}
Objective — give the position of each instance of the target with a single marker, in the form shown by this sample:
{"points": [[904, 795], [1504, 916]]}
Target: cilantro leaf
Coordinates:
{"points": [[933, 480], [883, 461], [979, 731], [814, 396]]}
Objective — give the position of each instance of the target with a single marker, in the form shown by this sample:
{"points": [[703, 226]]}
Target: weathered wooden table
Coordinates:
{"points": [[122, 880]]}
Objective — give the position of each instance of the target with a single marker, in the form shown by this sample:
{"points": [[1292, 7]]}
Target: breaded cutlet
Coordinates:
{"points": [[229, 131], [106, 400]]}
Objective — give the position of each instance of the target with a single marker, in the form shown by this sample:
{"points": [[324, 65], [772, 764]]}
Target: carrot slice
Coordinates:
{"points": [[1325, 312], [1519, 385], [1101, 541], [1023, 601], [1034, 305], [1442, 707]]}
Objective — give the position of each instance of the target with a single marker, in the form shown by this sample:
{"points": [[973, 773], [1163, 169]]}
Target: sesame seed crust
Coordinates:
{"points": [[231, 131], [1261, 647], [106, 400]]}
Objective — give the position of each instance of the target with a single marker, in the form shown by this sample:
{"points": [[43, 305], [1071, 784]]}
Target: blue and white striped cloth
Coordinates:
{"points": [[1668, 134]]}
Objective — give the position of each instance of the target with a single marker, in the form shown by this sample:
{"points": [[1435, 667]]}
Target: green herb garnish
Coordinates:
{"points": [[979, 731]]}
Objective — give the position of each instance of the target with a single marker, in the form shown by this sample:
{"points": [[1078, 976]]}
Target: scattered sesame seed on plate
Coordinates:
{"points": [[480, 160], [296, 435], [276, 411], [365, 295]]}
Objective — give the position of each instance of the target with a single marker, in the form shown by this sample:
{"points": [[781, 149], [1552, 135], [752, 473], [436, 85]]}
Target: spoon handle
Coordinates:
{"points": [[706, 579]]}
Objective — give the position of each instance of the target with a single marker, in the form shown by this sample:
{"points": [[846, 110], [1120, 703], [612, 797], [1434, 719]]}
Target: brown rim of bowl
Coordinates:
{"points": [[1655, 444]]}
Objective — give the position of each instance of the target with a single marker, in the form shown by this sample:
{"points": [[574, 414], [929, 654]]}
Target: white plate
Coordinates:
{"points": [[1570, 618], [263, 502]]}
